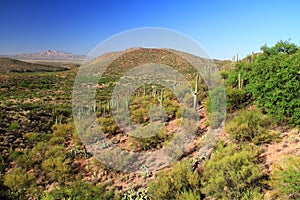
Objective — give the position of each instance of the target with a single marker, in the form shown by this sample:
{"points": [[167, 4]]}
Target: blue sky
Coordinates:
{"points": [[222, 28]]}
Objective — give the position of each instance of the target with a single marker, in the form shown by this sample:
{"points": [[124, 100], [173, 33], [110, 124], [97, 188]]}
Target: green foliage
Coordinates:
{"points": [[148, 137], [63, 130], [188, 195], [216, 107], [172, 108], [27, 159], [181, 181], [231, 172], [19, 180], [57, 168], [287, 178], [108, 125], [56, 164], [281, 47], [140, 115], [36, 137], [14, 155], [250, 126], [236, 99], [273, 81], [14, 126], [252, 194], [79, 191]]}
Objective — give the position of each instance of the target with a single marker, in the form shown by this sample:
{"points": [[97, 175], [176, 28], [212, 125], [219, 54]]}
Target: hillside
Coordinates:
{"points": [[257, 152], [12, 65]]}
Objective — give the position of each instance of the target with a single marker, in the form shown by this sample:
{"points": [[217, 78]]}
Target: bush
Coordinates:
{"points": [[140, 115], [56, 164], [231, 172], [58, 169], [108, 125], [273, 81], [34, 137], [79, 191], [181, 181], [188, 195], [63, 130], [19, 180], [286, 178], [250, 126], [236, 99], [140, 141], [216, 107], [14, 126], [14, 155]]}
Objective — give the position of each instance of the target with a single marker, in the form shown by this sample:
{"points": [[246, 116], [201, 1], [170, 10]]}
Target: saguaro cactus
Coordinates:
{"points": [[154, 91], [196, 90], [240, 81], [161, 98]]}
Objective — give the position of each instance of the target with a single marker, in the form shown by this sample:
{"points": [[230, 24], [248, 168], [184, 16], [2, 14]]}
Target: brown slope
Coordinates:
{"points": [[12, 65]]}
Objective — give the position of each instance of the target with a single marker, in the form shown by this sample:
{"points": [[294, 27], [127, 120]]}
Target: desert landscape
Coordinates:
{"points": [[119, 100]]}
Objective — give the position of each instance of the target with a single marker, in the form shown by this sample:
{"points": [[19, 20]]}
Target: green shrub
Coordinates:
{"points": [[56, 141], [79, 191], [14, 126], [286, 178], [56, 164], [273, 81], [26, 160], [181, 181], [215, 106], [172, 108], [108, 125], [231, 172], [140, 115], [58, 168], [63, 130], [140, 141], [236, 99], [36, 137], [250, 126], [188, 195], [19, 180], [14, 155]]}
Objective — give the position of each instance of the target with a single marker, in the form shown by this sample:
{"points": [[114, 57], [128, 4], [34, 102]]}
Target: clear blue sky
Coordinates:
{"points": [[223, 28]]}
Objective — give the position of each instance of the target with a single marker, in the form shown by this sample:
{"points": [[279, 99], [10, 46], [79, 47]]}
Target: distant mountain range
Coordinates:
{"points": [[47, 55]]}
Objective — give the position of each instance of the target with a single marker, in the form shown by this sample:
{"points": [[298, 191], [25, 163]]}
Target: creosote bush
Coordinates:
{"points": [[79, 190], [250, 126], [180, 182], [108, 125], [286, 178], [232, 172]]}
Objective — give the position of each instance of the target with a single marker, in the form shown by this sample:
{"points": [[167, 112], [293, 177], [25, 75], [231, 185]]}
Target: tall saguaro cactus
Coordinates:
{"points": [[154, 91], [161, 98], [240, 81], [196, 90]]}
